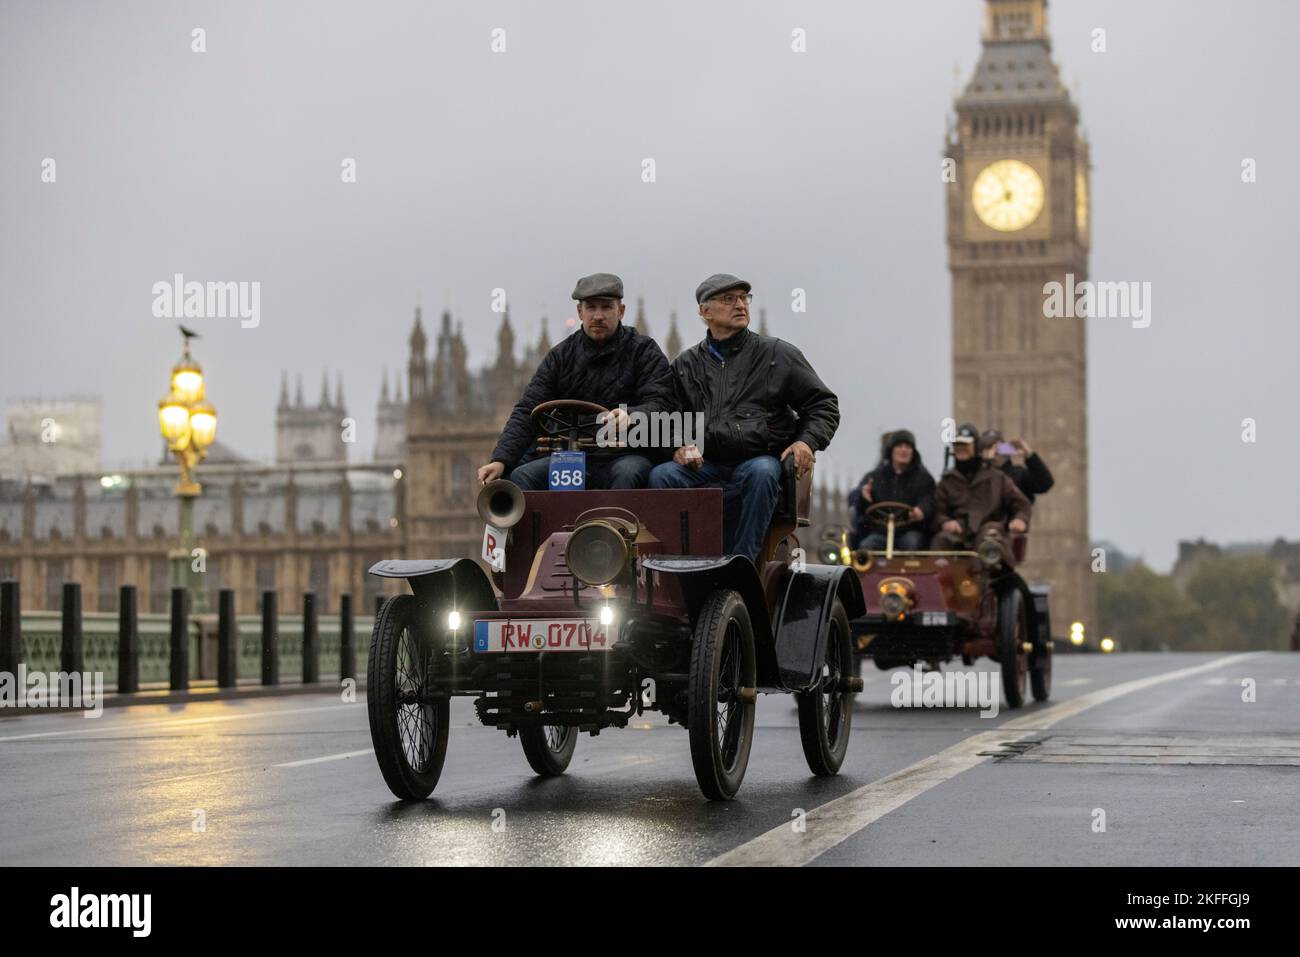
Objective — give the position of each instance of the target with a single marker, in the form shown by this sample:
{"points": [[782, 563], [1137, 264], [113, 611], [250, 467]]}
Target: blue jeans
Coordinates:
{"points": [[750, 490], [905, 540], [619, 471]]}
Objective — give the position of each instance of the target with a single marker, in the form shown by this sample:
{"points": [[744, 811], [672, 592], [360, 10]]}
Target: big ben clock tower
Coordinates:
{"points": [[1017, 219]]}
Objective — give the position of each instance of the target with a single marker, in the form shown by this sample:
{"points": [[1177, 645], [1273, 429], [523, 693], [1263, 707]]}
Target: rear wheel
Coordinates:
{"points": [[1040, 670], [720, 697], [1013, 633], [409, 731], [549, 748], [826, 712]]}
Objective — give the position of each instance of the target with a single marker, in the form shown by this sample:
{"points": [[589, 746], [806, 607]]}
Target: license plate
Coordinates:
{"points": [[567, 472], [570, 634]]}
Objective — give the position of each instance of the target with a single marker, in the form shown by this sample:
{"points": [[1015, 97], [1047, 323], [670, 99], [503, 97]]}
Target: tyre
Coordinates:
{"points": [[409, 731], [720, 718], [1013, 632], [1040, 671], [826, 712], [548, 748]]}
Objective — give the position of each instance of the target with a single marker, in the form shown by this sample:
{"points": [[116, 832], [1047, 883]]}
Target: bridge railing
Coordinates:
{"points": [[135, 651]]}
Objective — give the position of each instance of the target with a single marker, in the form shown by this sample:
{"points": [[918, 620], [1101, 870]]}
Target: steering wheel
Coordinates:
{"points": [[880, 513], [560, 428]]}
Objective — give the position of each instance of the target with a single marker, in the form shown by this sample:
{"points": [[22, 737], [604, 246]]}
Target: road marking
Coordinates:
{"points": [[1075, 682], [125, 725], [836, 821], [322, 760]]}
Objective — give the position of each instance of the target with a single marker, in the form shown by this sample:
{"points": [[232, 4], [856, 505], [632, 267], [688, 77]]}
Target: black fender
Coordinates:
{"points": [[803, 613], [458, 583], [699, 577]]}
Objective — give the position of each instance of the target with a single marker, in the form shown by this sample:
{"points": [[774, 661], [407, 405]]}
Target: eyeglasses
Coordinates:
{"points": [[732, 298]]}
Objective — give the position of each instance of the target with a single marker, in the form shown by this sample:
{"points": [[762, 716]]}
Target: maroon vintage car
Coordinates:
{"points": [[933, 606], [612, 603]]}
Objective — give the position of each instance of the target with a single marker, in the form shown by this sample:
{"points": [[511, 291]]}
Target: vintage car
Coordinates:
{"points": [[932, 606], [602, 605]]}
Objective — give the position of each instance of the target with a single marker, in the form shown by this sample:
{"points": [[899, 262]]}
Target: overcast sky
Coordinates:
{"points": [[522, 170]]}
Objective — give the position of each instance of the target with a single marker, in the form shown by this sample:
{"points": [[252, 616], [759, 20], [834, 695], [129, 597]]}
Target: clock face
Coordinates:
{"points": [[1081, 203], [1007, 195]]}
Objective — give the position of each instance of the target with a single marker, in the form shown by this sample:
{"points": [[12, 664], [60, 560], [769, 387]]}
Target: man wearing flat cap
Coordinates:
{"points": [[762, 403], [604, 362]]}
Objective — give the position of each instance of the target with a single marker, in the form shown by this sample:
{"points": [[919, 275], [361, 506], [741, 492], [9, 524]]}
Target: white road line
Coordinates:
{"points": [[836, 821], [322, 760], [126, 725]]}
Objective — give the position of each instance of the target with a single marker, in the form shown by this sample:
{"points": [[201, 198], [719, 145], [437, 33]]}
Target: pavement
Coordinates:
{"points": [[1138, 759]]}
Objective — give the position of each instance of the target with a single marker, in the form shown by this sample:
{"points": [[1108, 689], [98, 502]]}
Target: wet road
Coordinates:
{"points": [[1137, 759]]}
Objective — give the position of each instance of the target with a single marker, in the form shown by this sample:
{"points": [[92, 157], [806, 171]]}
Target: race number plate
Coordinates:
{"points": [[567, 472], [570, 634]]}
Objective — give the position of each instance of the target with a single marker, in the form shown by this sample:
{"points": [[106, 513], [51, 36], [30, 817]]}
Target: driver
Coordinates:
{"points": [[974, 501], [900, 478], [604, 362]]}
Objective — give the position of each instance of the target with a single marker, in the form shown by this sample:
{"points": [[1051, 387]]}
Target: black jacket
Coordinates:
{"points": [[762, 396], [1032, 478], [626, 368], [915, 486]]}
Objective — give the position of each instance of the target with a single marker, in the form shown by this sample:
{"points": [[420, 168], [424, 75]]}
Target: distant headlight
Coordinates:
{"points": [[896, 597], [990, 553], [596, 553], [893, 604]]}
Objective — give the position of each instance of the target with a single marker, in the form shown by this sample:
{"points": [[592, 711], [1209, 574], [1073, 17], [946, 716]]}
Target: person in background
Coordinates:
{"points": [[974, 501], [901, 477], [1033, 478]]}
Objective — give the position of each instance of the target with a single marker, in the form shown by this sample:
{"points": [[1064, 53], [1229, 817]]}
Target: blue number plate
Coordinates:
{"points": [[567, 472]]}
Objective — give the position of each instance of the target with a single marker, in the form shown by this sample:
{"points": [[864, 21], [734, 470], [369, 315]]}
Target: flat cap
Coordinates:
{"points": [[719, 282], [599, 285]]}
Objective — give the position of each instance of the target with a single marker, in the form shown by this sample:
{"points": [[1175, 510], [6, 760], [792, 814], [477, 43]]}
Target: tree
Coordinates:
{"points": [[1144, 611], [1238, 596]]}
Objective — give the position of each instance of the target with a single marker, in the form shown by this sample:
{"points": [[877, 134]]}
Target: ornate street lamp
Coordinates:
{"points": [[189, 424]]}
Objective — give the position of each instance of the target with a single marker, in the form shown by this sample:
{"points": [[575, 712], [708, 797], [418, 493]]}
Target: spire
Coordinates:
{"points": [[544, 343], [398, 398], [505, 341], [338, 391], [324, 390], [762, 321], [298, 397], [674, 340], [284, 388], [418, 342], [383, 388], [641, 326]]}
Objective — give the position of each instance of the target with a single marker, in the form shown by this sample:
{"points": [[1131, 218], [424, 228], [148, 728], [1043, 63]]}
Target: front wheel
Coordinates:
{"points": [[1013, 634], [720, 696], [549, 749], [826, 711], [408, 730]]}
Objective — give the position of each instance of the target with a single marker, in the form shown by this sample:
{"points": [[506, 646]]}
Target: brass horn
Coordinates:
{"points": [[500, 503], [861, 560]]}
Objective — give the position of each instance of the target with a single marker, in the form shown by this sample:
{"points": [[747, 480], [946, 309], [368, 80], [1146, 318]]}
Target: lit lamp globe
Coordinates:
{"points": [[174, 422], [203, 425], [187, 381]]}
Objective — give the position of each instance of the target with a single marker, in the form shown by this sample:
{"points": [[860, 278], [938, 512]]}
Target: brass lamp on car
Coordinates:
{"points": [[597, 551], [896, 598]]}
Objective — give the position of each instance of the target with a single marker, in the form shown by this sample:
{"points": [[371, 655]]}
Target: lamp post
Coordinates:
{"points": [[189, 424]]}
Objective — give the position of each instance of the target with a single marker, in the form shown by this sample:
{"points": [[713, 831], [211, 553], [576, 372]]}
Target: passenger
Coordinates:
{"points": [[975, 502], [762, 402], [1033, 478], [604, 362], [900, 478]]}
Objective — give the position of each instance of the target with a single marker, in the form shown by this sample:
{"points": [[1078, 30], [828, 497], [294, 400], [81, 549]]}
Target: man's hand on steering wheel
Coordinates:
{"points": [[1018, 526]]}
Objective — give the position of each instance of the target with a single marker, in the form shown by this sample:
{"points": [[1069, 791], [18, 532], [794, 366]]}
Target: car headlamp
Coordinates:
{"points": [[597, 552], [896, 598], [990, 552]]}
